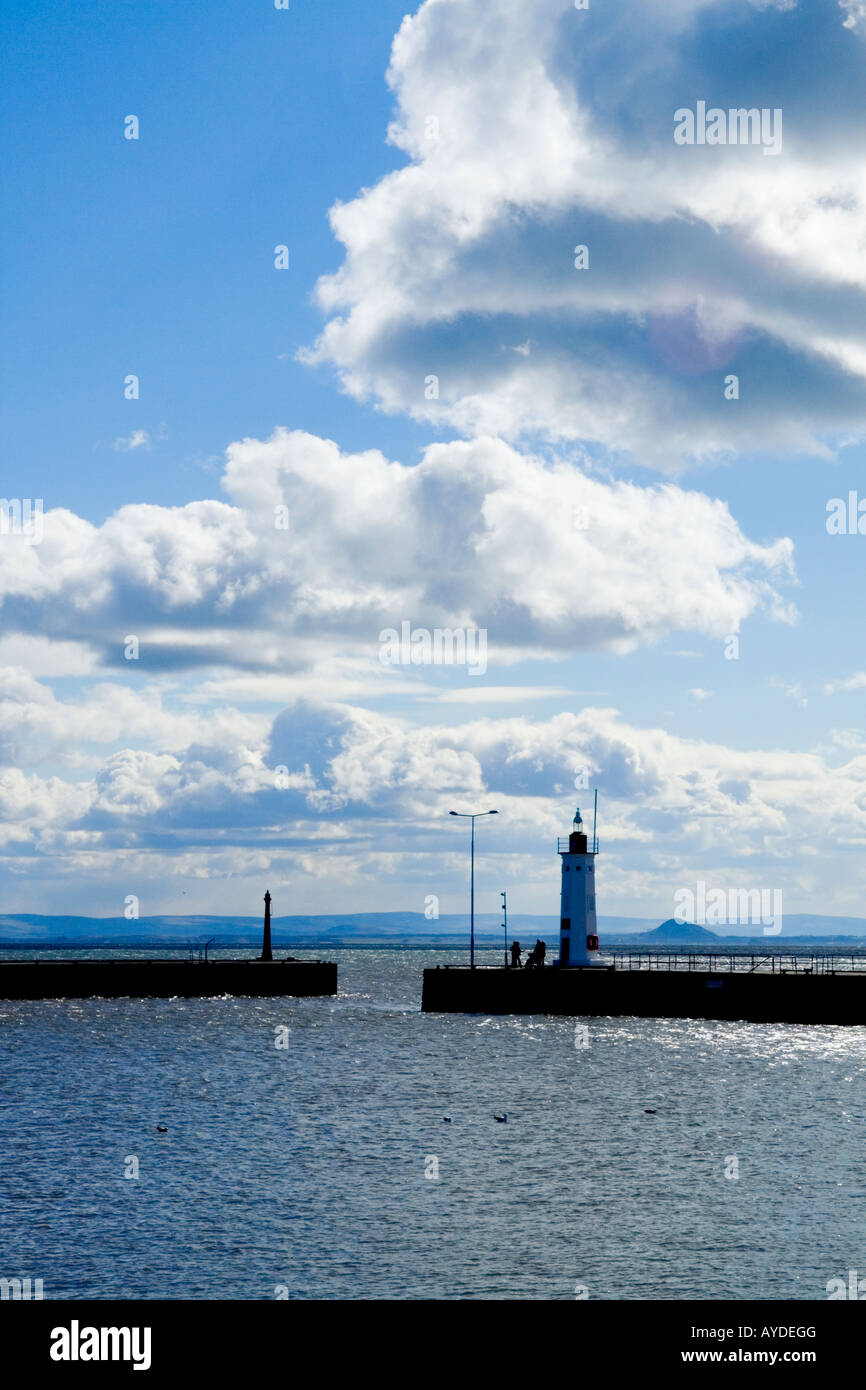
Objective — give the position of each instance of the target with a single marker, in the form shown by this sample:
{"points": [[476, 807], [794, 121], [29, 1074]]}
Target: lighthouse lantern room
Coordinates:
{"points": [[578, 934]]}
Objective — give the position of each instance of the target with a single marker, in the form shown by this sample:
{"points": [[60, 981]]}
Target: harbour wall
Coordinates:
{"points": [[795, 997], [164, 979]]}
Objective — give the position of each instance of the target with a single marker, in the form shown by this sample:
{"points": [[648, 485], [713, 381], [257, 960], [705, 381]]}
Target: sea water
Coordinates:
{"points": [[306, 1152]]}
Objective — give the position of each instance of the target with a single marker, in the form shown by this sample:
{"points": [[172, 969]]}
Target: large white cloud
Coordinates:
{"points": [[166, 777], [339, 794], [36, 726], [544, 556], [532, 127]]}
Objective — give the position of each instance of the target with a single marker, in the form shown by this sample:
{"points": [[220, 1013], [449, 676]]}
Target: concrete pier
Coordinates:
{"points": [[164, 979], [795, 996]]}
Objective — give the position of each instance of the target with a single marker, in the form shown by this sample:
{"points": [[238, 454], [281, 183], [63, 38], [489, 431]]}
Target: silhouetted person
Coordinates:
{"points": [[532, 958], [515, 954], [541, 948]]}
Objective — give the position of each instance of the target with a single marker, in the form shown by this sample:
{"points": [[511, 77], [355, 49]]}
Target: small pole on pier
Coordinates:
{"points": [[266, 939], [505, 925]]}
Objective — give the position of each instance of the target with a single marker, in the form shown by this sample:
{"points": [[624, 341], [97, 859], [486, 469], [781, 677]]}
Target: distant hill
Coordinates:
{"points": [[674, 931], [28, 927], [806, 925], [23, 927], [394, 928]]}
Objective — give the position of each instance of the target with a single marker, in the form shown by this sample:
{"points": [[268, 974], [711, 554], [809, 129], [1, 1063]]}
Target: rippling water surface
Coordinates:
{"points": [[305, 1166]]}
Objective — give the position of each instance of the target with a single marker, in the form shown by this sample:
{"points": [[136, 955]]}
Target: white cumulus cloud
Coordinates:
{"points": [[530, 129]]}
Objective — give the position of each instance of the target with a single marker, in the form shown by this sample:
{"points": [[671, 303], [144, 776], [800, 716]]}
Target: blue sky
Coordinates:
{"points": [[517, 130], [156, 256]]}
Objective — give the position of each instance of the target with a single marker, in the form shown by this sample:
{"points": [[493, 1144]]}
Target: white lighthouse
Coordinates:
{"points": [[578, 936]]}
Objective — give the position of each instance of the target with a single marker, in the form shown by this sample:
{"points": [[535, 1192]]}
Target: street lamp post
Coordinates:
{"points": [[473, 816]]}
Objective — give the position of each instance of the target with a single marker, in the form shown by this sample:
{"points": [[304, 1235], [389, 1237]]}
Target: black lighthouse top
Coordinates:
{"points": [[577, 839]]}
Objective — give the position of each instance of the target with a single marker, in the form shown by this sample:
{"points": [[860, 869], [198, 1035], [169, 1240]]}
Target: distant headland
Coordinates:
{"points": [[671, 932], [384, 928]]}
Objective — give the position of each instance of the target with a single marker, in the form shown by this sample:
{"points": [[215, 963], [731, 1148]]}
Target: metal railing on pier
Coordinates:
{"points": [[740, 962], [201, 949]]}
